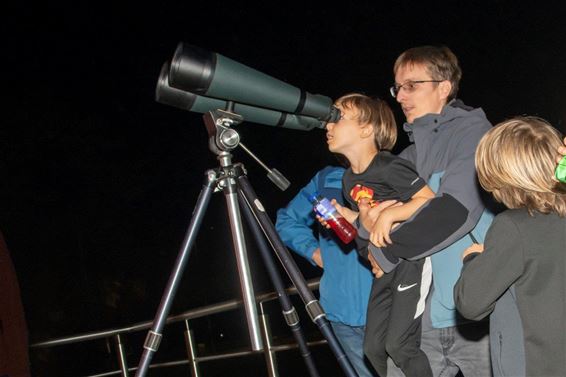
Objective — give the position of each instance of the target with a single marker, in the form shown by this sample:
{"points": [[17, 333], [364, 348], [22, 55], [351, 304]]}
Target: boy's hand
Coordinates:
{"points": [[345, 212], [375, 269], [474, 248], [379, 234], [317, 258], [369, 215]]}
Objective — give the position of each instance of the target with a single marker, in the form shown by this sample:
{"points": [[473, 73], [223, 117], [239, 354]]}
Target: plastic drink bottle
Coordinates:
{"points": [[343, 229], [561, 170]]}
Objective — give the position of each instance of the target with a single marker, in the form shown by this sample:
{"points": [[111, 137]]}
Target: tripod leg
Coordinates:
{"points": [[237, 230], [289, 312], [311, 303], [154, 335]]}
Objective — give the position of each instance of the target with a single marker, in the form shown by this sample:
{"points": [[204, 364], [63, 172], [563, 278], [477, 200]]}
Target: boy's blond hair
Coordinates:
{"points": [[515, 161], [375, 112]]}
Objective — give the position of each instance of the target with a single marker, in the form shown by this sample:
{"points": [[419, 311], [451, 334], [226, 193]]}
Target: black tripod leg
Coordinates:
{"points": [[311, 303], [154, 335], [289, 311]]}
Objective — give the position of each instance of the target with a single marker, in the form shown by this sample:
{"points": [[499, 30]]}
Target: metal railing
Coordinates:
{"points": [[193, 360]]}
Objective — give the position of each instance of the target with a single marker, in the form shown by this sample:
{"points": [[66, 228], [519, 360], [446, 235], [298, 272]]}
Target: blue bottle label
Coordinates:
{"points": [[325, 209]]}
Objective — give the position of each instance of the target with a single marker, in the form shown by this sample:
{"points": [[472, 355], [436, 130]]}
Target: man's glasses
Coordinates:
{"points": [[409, 86]]}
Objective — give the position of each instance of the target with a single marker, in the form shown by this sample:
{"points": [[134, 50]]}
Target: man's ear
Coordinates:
{"points": [[445, 88]]}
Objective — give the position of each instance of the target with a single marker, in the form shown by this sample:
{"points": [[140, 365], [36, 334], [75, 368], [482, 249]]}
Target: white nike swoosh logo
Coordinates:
{"points": [[402, 288]]}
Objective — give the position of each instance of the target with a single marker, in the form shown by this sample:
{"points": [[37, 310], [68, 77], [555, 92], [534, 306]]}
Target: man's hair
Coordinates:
{"points": [[376, 112], [440, 63], [515, 161]]}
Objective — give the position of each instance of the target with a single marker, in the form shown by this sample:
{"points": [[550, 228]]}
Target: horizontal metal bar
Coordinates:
{"points": [[231, 355], [203, 311]]}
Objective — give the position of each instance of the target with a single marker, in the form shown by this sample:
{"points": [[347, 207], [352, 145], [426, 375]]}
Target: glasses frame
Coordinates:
{"points": [[394, 90]]}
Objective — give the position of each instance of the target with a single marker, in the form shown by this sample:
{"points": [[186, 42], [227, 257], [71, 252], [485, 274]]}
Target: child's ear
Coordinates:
{"points": [[367, 130]]}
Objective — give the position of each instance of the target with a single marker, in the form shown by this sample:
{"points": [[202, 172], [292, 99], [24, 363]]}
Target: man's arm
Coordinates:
{"points": [[449, 216]]}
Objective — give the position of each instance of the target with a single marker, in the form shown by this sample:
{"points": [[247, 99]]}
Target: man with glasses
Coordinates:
{"points": [[444, 133]]}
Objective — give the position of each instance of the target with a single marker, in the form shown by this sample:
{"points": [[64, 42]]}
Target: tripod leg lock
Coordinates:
{"points": [[291, 317], [315, 310], [152, 341]]}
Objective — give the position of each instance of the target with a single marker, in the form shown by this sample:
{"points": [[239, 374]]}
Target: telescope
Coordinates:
{"points": [[228, 92], [201, 81]]}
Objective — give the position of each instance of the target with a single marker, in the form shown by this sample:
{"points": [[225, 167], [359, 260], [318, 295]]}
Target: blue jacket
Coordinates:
{"points": [[346, 279]]}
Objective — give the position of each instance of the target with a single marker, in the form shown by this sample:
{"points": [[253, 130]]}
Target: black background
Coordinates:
{"points": [[99, 180]]}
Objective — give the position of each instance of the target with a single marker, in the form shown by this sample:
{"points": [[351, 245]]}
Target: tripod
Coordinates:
{"points": [[232, 180]]}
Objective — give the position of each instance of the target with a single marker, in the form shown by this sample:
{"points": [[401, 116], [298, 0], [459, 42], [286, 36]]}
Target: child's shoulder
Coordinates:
{"points": [[524, 220], [387, 159]]}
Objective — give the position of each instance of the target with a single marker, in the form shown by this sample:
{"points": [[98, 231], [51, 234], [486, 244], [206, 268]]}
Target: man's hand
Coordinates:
{"points": [[375, 269], [474, 248], [317, 258], [369, 215]]}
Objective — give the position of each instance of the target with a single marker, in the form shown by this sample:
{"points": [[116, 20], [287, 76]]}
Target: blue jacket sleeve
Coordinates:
{"points": [[294, 222]]}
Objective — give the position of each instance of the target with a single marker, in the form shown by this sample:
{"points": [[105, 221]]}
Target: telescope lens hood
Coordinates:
{"points": [[192, 68], [170, 96]]}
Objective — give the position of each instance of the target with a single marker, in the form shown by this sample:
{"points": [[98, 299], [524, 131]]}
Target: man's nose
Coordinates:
{"points": [[400, 95]]}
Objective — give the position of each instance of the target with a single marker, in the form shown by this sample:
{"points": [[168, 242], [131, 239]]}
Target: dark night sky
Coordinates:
{"points": [[100, 180]]}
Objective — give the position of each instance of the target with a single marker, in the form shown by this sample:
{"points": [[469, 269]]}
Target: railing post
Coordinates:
{"points": [[121, 355], [191, 350], [270, 357]]}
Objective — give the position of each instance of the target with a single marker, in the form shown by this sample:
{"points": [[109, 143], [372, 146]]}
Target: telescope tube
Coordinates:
{"points": [[213, 75], [181, 99]]}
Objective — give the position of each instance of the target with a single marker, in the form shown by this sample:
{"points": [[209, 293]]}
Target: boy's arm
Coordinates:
{"points": [[380, 232], [486, 276], [294, 223]]}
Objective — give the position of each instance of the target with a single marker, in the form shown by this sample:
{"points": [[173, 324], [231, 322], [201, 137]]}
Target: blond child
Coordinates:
{"points": [[519, 278], [364, 135]]}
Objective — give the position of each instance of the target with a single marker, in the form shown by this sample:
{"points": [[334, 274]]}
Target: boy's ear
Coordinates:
{"points": [[367, 130]]}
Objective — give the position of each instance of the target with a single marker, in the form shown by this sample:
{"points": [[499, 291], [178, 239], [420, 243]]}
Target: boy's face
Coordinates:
{"points": [[419, 99], [346, 133]]}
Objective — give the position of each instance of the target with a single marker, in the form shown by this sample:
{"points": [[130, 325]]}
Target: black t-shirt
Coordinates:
{"points": [[386, 177]]}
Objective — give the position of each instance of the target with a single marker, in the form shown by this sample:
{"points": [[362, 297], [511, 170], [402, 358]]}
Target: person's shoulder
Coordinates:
{"points": [[468, 117], [331, 170], [516, 217], [385, 157]]}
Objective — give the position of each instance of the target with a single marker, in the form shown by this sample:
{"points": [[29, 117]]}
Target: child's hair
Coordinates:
{"points": [[375, 112], [515, 161]]}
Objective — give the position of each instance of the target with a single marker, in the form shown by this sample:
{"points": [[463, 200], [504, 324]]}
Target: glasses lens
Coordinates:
{"points": [[393, 91]]}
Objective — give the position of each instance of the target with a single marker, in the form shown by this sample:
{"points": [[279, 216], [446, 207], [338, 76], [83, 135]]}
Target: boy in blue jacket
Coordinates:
{"points": [[346, 279]]}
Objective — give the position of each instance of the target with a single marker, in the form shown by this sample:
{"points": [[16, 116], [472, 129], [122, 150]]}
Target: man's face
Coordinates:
{"points": [[418, 99]]}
